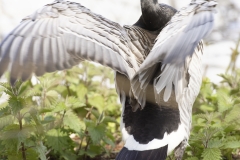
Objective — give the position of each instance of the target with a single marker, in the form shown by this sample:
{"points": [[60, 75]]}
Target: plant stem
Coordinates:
{"points": [[80, 146], [85, 131], [68, 89], [86, 147], [22, 144]]}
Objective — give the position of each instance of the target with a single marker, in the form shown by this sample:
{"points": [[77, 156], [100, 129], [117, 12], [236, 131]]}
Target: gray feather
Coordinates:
{"points": [[59, 35]]}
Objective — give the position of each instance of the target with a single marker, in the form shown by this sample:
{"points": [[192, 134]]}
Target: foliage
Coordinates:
{"points": [[74, 115], [216, 127], [68, 115], [215, 131]]}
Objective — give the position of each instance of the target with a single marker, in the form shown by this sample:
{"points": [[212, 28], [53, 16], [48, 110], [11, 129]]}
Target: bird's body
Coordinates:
{"points": [[157, 62]]}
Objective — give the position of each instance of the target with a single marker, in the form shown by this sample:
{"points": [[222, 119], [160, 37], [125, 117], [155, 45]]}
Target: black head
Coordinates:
{"points": [[154, 16]]}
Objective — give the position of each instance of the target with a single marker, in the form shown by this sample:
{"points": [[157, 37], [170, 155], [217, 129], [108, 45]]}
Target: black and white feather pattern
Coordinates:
{"points": [[161, 70], [178, 50]]}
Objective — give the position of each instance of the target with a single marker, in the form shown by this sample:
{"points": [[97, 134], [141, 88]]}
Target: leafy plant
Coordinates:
{"points": [[70, 114], [75, 115]]}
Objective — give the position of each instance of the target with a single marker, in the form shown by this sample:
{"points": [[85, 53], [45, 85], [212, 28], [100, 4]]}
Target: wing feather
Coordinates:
{"points": [[173, 49], [58, 36]]}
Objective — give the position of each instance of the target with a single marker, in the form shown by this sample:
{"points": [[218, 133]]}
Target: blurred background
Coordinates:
{"points": [[219, 44]]}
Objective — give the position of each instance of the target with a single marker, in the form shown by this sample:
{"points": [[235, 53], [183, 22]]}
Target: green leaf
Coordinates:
{"points": [[225, 102], [192, 158], [81, 91], [101, 117], [108, 141], [15, 156], [31, 154], [215, 143], [6, 120], [57, 140], [94, 112], [51, 97], [69, 156], [232, 144], [73, 102], [12, 136], [211, 154], [233, 115], [8, 89], [96, 133], [93, 151], [97, 101], [59, 107], [108, 119], [72, 121], [16, 104], [41, 149], [206, 108], [48, 119]]}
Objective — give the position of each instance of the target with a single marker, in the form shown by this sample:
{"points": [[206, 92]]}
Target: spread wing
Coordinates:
{"points": [[166, 67], [60, 35]]}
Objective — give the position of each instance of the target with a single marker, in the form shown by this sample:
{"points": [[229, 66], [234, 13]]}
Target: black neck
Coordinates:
{"points": [[154, 15]]}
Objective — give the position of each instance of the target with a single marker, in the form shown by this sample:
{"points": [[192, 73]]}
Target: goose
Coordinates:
{"points": [[157, 64]]}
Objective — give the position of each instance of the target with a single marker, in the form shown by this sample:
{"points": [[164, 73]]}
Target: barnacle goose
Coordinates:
{"points": [[157, 62]]}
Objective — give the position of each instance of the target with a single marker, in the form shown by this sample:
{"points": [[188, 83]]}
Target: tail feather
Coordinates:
{"points": [[155, 154]]}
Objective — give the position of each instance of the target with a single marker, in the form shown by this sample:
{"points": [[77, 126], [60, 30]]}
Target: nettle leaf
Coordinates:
{"points": [[225, 102], [72, 121], [81, 91], [108, 119], [16, 104], [6, 120], [45, 110], [31, 154], [51, 97], [89, 123], [192, 158], [14, 156], [12, 136], [59, 107], [96, 132], [57, 140], [48, 81], [211, 154], [108, 141], [3, 108], [48, 119], [33, 92], [69, 156], [101, 117], [7, 88], [232, 144], [93, 151], [112, 107], [233, 115], [215, 143], [205, 108], [41, 149], [97, 101], [94, 112], [209, 117], [73, 102]]}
